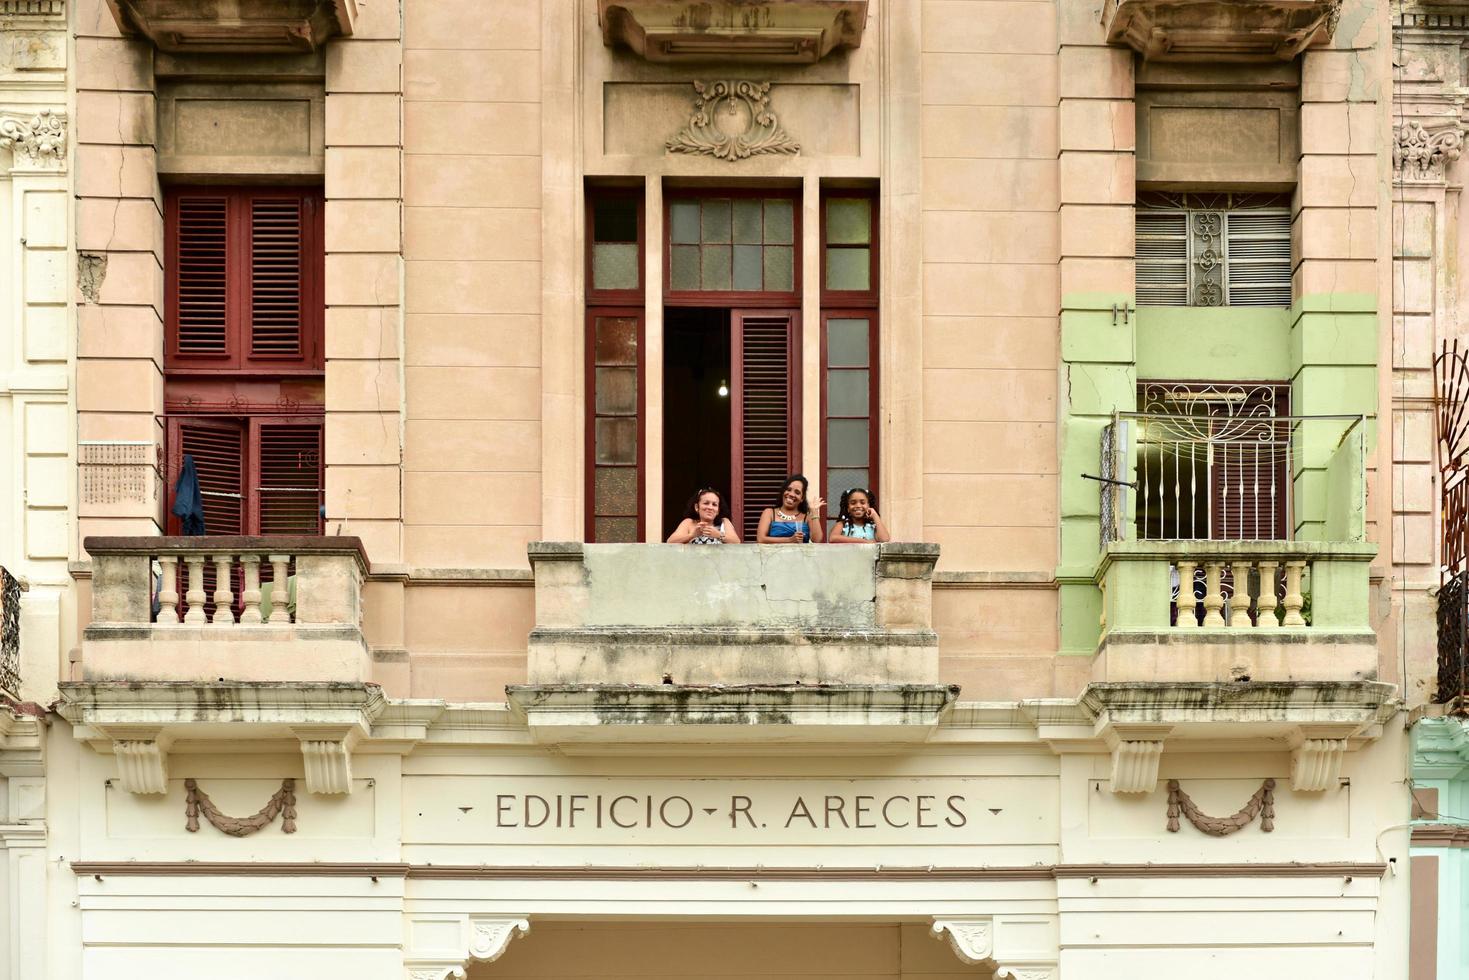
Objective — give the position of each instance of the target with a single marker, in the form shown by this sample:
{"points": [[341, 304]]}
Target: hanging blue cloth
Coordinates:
{"points": [[188, 502]]}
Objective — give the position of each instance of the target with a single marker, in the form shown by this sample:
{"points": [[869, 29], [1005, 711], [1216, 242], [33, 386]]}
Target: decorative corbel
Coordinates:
{"points": [[1423, 155], [39, 137], [480, 939], [972, 940], [1316, 754], [142, 758], [327, 757], [1136, 752]]}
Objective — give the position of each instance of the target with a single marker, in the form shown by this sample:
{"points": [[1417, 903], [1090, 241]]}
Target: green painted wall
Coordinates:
{"points": [[1325, 346]]}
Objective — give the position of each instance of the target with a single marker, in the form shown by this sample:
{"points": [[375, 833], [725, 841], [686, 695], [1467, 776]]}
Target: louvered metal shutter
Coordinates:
{"points": [[289, 486], [199, 316], [1162, 258], [276, 276], [218, 448], [1259, 258], [766, 410]]}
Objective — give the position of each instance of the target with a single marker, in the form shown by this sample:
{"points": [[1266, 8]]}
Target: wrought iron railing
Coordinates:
{"points": [[1451, 422], [9, 633]]}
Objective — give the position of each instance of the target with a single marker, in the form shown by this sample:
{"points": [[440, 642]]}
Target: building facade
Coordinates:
{"points": [[447, 308]]}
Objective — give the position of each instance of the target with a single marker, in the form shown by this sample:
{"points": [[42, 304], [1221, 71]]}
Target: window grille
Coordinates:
{"points": [[1213, 250]]}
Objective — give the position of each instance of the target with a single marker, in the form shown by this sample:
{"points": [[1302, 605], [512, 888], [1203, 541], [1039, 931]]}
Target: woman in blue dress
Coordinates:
{"points": [[791, 522], [858, 521]]}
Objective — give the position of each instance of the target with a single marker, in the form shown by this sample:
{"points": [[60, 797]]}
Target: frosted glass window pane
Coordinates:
{"points": [[616, 530], [746, 221], [848, 268], [715, 265], [747, 267], [839, 481], [617, 391], [683, 220], [846, 442], [716, 220], [848, 221], [684, 267], [847, 392], [615, 219], [846, 342], [615, 490], [615, 266], [617, 340], [617, 441], [779, 271], [779, 227]]}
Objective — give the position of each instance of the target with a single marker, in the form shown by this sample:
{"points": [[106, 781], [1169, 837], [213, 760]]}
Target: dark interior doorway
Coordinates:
{"points": [[696, 424]]}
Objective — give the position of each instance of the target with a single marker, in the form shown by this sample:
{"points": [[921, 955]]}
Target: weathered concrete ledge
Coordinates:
{"points": [[1235, 655], [610, 714], [740, 614]]}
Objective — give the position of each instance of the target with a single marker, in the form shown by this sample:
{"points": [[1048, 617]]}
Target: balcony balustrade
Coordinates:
{"points": [[1234, 548], [196, 609], [646, 642]]}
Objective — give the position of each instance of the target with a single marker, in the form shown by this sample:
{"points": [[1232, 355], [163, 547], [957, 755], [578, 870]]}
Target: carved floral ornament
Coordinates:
{"points": [[732, 120], [1422, 154], [41, 136]]}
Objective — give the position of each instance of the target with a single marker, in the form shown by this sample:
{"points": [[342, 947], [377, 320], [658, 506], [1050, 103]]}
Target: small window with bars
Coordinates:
{"points": [[1213, 249], [243, 278]]}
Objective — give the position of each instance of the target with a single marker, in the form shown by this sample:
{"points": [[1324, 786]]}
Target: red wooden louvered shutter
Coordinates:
{"points": [[244, 280], [198, 293], [218, 448], [766, 411], [276, 276], [287, 494]]}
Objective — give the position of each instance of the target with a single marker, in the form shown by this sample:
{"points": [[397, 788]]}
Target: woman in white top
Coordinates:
{"points": [[705, 522]]}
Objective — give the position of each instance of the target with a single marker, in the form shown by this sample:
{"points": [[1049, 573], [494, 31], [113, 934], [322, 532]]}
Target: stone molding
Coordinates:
{"points": [[1210, 30], [781, 32], [139, 721], [465, 939], [22, 742], [36, 137], [732, 120], [973, 940], [1441, 748], [228, 27], [1422, 155]]}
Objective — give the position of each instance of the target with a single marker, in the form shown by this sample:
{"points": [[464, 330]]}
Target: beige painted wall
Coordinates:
{"points": [[455, 148]]}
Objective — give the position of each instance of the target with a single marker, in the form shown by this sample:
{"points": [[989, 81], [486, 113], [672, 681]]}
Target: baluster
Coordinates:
{"points": [[251, 594], [1293, 598], [195, 595], [1265, 605], [1187, 615], [224, 596], [278, 595], [1213, 594], [1239, 605], [168, 591]]}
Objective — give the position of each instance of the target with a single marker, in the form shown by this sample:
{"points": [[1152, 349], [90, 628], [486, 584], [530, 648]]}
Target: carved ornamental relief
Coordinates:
{"points": [[732, 120], [1419, 154], [41, 138]]}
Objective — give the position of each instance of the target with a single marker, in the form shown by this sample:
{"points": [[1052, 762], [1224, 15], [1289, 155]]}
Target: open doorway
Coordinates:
{"points": [[696, 407]]}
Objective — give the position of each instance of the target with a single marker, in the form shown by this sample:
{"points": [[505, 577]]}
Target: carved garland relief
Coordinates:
{"points": [[732, 120], [283, 802], [1262, 804]]}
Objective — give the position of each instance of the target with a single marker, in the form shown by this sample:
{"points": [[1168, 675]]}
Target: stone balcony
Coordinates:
{"points": [[1310, 622], [744, 642], [152, 619]]}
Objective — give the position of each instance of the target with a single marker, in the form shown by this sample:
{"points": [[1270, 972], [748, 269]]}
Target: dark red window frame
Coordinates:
{"points": [[733, 298], [620, 303], [251, 430], [212, 264], [853, 304], [591, 416]]}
